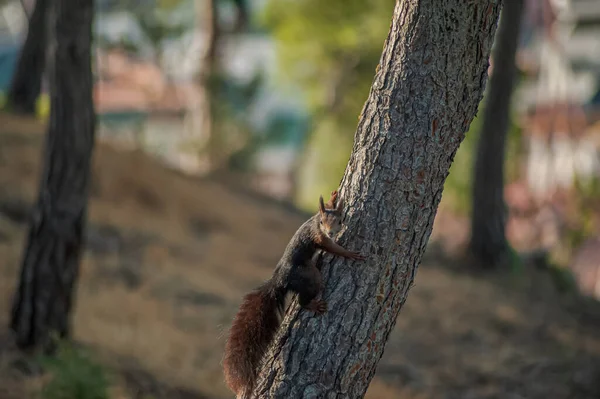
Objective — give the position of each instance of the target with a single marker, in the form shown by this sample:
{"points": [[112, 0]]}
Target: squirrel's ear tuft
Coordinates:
{"points": [[321, 204], [340, 203]]}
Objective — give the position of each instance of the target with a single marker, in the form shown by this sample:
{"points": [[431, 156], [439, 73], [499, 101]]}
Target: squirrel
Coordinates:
{"points": [[260, 313]]}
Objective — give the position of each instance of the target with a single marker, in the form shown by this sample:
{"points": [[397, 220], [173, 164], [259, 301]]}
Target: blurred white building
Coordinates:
{"points": [[560, 100]]}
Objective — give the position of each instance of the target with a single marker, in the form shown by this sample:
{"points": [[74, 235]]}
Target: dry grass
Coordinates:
{"points": [[169, 258]]}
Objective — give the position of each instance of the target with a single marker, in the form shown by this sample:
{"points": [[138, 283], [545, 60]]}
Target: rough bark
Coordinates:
{"points": [[49, 270], [26, 84], [425, 93], [488, 239]]}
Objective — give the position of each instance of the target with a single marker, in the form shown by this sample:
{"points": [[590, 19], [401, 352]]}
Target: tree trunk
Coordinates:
{"points": [[202, 112], [488, 240], [50, 265], [27, 81], [242, 18], [425, 93]]}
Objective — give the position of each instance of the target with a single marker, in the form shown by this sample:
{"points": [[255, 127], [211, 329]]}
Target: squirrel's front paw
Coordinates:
{"points": [[321, 307], [317, 306]]}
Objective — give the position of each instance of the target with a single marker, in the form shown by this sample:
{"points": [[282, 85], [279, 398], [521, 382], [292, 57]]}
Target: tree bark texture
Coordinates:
{"points": [[425, 93], [50, 265], [26, 83], [488, 218]]}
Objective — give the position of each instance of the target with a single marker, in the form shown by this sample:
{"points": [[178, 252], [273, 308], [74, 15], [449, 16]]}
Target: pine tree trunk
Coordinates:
{"points": [[50, 265], [488, 239], [26, 83], [425, 93]]}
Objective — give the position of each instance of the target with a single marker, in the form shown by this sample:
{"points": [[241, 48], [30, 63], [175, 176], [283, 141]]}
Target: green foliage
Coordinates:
{"points": [[156, 25], [42, 106], [323, 163], [515, 262], [74, 375], [167, 4], [330, 49], [328, 46], [514, 151], [154, 18]]}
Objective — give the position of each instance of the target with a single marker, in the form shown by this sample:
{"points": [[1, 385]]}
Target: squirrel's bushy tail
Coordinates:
{"points": [[251, 333]]}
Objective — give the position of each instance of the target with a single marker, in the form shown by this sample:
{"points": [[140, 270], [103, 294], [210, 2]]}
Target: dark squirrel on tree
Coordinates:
{"points": [[260, 313]]}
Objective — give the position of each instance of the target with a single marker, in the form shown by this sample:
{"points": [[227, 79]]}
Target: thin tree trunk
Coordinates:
{"points": [[425, 93], [50, 267], [488, 218], [243, 15], [26, 83], [202, 118]]}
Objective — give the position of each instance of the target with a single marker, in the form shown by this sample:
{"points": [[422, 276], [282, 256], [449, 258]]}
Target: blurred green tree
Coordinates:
{"points": [[330, 49]]}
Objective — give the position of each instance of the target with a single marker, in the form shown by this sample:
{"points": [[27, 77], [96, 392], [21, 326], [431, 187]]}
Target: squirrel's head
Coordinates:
{"points": [[330, 221]]}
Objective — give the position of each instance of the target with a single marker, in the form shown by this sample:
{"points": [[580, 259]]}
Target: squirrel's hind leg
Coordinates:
{"points": [[307, 284]]}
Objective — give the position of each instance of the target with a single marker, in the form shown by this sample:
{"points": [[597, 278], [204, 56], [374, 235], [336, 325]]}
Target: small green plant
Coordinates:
{"points": [[563, 279], [42, 106], [515, 261], [74, 375]]}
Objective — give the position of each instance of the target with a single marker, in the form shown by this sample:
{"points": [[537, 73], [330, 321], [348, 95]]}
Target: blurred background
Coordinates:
{"points": [[220, 122]]}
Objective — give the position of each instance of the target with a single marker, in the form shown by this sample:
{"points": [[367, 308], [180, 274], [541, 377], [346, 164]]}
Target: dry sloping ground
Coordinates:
{"points": [[169, 258]]}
